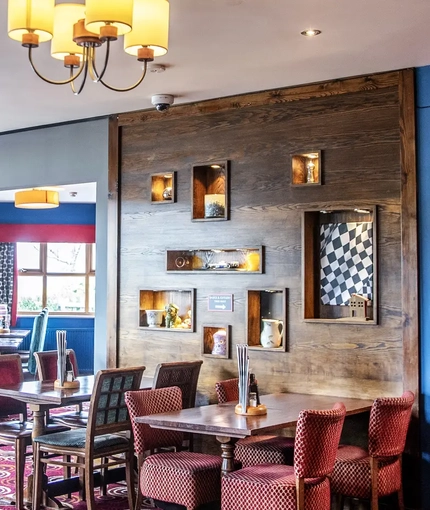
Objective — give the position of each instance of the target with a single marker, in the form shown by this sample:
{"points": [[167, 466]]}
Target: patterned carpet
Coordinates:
{"points": [[116, 499]]}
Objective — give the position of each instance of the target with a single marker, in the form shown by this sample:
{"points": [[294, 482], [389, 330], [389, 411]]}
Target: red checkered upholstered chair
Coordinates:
{"points": [[377, 471], [255, 449], [17, 432], [181, 477], [305, 485], [104, 445]]}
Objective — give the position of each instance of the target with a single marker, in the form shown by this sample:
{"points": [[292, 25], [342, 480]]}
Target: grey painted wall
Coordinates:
{"points": [[66, 154]]}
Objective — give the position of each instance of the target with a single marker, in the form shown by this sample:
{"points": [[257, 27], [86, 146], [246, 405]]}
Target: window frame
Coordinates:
{"points": [[42, 271]]}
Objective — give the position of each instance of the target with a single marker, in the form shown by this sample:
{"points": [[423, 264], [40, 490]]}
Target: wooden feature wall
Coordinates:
{"points": [[364, 128]]}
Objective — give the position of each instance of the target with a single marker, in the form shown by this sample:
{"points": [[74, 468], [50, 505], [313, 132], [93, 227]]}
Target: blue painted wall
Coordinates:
{"points": [[80, 330], [66, 214], [423, 169]]}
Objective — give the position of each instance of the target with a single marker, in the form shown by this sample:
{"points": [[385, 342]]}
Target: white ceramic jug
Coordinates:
{"points": [[271, 334]]}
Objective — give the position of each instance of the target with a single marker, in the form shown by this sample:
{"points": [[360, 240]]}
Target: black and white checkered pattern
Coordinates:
{"points": [[346, 253]]}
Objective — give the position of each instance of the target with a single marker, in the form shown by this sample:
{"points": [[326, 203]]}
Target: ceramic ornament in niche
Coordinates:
{"points": [[172, 318]]}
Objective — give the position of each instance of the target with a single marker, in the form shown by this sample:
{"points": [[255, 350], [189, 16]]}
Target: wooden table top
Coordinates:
{"points": [[36, 392], [15, 333], [9, 342], [220, 419]]}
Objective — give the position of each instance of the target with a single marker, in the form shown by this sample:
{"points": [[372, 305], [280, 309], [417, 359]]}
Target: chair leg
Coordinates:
{"points": [[129, 475], [374, 504], [89, 482], [139, 497], [20, 448], [38, 478], [400, 499]]}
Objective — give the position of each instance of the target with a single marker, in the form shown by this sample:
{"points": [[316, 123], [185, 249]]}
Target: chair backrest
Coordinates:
{"points": [[227, 390], [184, 374], [145, 402], [11, 373], [108, 411], [37, 341], [46, 364], [317, 439], [388, 425]]}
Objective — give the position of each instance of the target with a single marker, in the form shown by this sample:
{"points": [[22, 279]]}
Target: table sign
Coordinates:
{"points": [[220, 303]]}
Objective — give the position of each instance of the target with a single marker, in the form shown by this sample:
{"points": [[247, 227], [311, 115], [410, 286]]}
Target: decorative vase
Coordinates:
{"points": [[220, 343], [252, 261], [154, 318], [214, 206], [271, 334]]}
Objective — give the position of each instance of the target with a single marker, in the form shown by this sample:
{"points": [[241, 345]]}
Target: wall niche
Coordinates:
{"points": [[340, 265]]}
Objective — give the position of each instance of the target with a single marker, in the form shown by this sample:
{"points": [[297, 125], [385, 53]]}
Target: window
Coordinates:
{"points": [[60, 276]]}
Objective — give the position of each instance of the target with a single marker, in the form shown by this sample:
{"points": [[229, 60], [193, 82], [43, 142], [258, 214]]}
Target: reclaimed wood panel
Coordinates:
{"points": [[356, 125]]}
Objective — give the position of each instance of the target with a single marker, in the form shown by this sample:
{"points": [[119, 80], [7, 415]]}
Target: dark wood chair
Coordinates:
{"points": [[16, 432], [184, 375], [103, 445], [46, 363]]}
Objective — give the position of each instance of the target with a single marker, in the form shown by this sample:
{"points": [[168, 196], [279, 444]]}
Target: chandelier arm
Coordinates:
{"points": [[98, 77], [53, 82], [145, 66], [84, 79]]}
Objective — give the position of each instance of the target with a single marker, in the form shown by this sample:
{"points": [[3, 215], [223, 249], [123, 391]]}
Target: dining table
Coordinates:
{"points": [[12, 339], [42, 396], [220, 420]]}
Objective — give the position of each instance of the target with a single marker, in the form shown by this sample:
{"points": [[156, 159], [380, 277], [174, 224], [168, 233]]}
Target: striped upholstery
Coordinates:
{"points": [[388, 426], [317, 439], [185, 478], [255, 449]]}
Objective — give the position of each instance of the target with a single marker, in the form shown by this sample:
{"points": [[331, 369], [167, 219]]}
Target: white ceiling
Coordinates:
{"points": [[225, 47]]}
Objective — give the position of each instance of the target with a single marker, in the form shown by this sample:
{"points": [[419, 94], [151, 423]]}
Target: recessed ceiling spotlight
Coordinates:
{"points": [[311, 32]]}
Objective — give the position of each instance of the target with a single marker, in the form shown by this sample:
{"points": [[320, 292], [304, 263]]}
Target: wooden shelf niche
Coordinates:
{"points": [[151, 301], [216, 341], [306, 168], [163, 188], [339, 267], [216, 260], [267, 315], [210, 191]]}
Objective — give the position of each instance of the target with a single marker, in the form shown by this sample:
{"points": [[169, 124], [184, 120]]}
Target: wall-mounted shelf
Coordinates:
{"points": [[210, 191], [216, 341], [151, 300], [267, 314], [163, 188], [306, 168], [339, 260], [216, 260]]}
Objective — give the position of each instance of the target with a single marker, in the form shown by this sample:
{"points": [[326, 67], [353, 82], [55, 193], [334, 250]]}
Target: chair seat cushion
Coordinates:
{"points": [[254, 450], [351, 473], [17, 429], [186, 478], [273, 484], [77, 438]]}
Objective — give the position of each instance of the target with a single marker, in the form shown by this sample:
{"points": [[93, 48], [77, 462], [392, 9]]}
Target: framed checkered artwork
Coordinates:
{"points": [[346, 255]]}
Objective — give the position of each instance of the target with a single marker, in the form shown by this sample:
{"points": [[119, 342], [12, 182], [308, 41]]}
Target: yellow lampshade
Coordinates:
{"points": [[25, 16], [117, 13], [37, 199], [150, 27], [65, 16]]}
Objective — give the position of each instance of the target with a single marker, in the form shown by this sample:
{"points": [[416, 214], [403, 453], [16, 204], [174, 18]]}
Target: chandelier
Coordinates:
{"points": [[77, 30]]}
